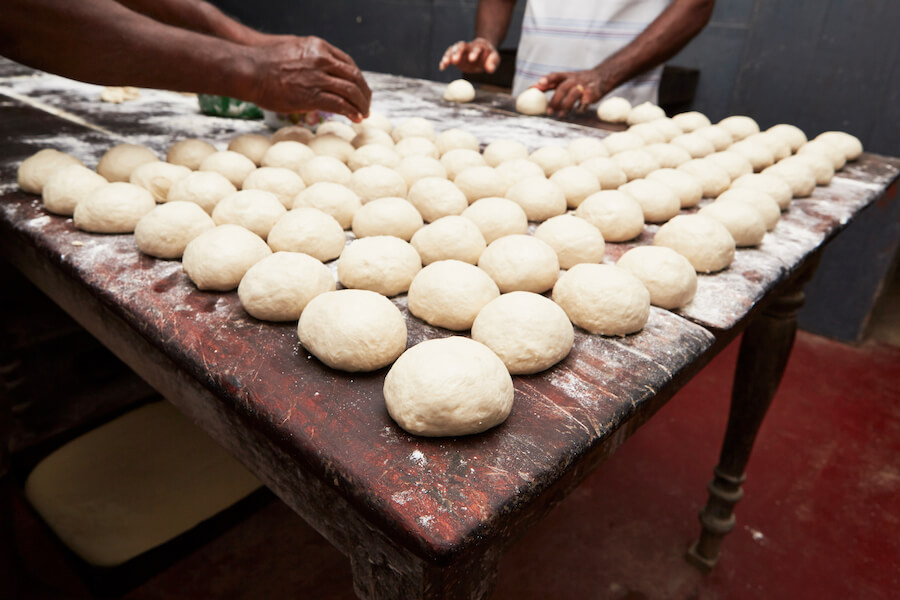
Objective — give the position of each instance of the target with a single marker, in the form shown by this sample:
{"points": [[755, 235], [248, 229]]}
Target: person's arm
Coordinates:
{"points": [[103, 42], [199, 16], [491, 23], [663, 38]]}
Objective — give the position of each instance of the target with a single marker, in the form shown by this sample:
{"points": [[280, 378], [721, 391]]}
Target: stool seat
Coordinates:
{"points": [[133, 484]]}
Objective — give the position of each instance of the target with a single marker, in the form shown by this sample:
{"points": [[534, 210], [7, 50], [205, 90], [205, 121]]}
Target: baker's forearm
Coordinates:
{"points": [[198, 16], [492, 20]]}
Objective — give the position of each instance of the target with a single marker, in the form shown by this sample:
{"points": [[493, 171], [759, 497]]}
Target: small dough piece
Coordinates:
{"points": [[256, 210], [113, 208], [416, 146], [573, 239], [387, 216], [609, 174], [759, 155], [251, 145], [218, 259], [279, 287], [540, 198], [459, 159], [770, 184], [325, 168], [459, 90], [435, 197], [761, 201], [583, 148], [695, 144], [743, 221], [847, 143], [414, 168], [452, 139], [552, 158], [530, 333], [644, 113], [603, 299], [798, 176], [713, 178], [617, 215], [370, 136], [833, 152], [686, 186], [691, 121], [165, 231], [380, 263], [497, 217], [233, 166], [667, 155], [667, 127], [352, 330], [521, 263], [287, 154], [659, 202], [622, 141], [452, 237], [636, 164], [717, 135], [292, 133], [338, 128], [500, 151], [649, 133], [667, 275], [792, 135], [705, 242], [308, 230], [119, 161], [65, 188], [577, 183], [333, 146], [377, 181], [448, 387], [204, 188], [157, 178], [739, 126], [374, 154], [515, 170], [450, 294], [818, 163], [532, 102], [189, 153], [284, 183], [614, 110], [413, 127], [734, 164], [480, 182]]}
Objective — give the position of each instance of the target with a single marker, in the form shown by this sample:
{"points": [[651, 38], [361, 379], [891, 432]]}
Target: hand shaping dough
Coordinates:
{"points": [[166, 230], [68, 186], [667, 275], [451, 237], [521, 263], [603, 299], [113, 208], [532, 102], [279, 287], [459, 90], [450, 294], [573, 239], [381, 263], [218, 259], [387, 216], [308, 230], [35, 170], [705, 242]]}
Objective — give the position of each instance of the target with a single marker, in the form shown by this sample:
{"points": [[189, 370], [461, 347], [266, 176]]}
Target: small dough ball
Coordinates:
{"points": [[480, 182], [521, 263], [377, 181], [818, 163], [448, 387], [532, 102], [233, 166], [414, 168], [691, 121], [325, 168], [603, 299], [119, 161], [292, 133], [798, 176], [530, 333], [333, 146], [608, 173], [847, 143], [573, 239], [644, 113], [251, 145], [338, 128], [515, 170], [761, 201], [450, 294], [451, 237], [792, 135], [577, 183], [695, 144], [743, 221], [157, 178], [65, 188], [413, 127], [617, 215], [387, 216], [831, 151], [380, 263], [622, 141], [734, 164], [310, 231], [218, 259], [204, 188], [375, 120], [459, 159], [717, 135], [256, 210], [667, 128], [416, 146], [374, 154], [35, 170], [739, 126], [713, 178], [497, 217], [540, 198], [459, 90], [452, 139], [552, 158], [686, 186], [352, 330], [284, 183], [659, 202], [189, 153], [705, 242], [667, 275], [614, 110], [113, 208], [371, 136], [780, 149], [759, 155], [583, 148], [165, 231], [435, 198], [636, 164], [667, 155], [279, 287], [649, 133], [500, 151], [770, 184], [287, 154]]}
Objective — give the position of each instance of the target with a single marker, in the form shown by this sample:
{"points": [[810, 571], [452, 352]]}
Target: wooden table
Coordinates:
{"points": [[418, 517]]}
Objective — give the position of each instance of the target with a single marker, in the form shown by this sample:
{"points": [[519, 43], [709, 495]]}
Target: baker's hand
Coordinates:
{"points": [[476, 56], [300, 74], [574, 89]]}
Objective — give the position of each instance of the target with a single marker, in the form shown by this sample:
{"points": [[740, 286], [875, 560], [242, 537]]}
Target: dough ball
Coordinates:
{"points": [[414, 168], [832, 152], [530, 333], [435, 197], [113, 208], [458, 160], [377, 181], [287, 154], [779, 148], [480, 182], [353, 330], [255, 210], [798, 176], [603, 299], [189, 153], [293, 133], [387, 216], [521, 263], [279, 287], [251, 145], [532, 102], [374, 154], [65, 188], [573, 239], [770, 184], [614, 110], [691, 121], [649, 133], [515, 170], [686, 186], [448, 387], [636, 163], [450, 294], [848, 144], [667, 275], [284, 183], [667, 155], [761, 201], [374, 120], [608, 173], [325, 168], [695, 144], [791, 135], [819, 164], [659, 202], [617, 215], [451, 237], [332, 146], [371, 136], [500, 151], [119, 161], [459, 90], [413, 127], [713, 178], [739, 126], [338, 128], [577, 183], [741, 219], [380, 263], [310, 231], [705, 242], [716, 135], [452, 139], [204, 188], [622, 141], [165, 231], [583, 148], [231, 165], [552, 158], [733, 163], [218, 259], [540, 198], [667, 128], [157, 178], [644, 113], [759, 155], [416, 146], [497, 217]]}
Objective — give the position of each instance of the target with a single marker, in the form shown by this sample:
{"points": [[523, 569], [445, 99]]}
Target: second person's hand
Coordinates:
{"points": [[476, 56]]}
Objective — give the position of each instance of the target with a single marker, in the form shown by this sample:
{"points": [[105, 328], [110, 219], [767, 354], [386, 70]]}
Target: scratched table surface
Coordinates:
{"points": [[435, 497]]}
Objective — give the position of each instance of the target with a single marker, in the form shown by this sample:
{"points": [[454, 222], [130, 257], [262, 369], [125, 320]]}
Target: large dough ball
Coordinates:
{"points": [[374, 120], [667, 275], [736, 165], [435, 197], [686, 186], [416, 146], [413, 127], [743, 221], [371, 136], [779, 148], [450, 294], [819, 164], [573, 239], [614, 110], [284, 183], [65, 188], [636, 163], [603, 299], [532, 102], [521, 263], [500, 151], [459, 159], [338, 128], [644, 113], [333, 146], [667, 128], [279, 287], [35, 170], [832, 152], [770, 184], [798, 176], [189, 153], [113, 208], [251, 145], [166, 230], [374, 154], [617, 215], [204, 188], [325, 168], [380, 263], [449, 386], [497, 217], [157, 178], [792, 135], [310, 231], [292, 133], [255, 210], [218, 259], [451, 237], [659, 203], [847, 143], [540, 198], [334, 199], [705, 242], [119, 161], [452, 139], [353, 330], [759, 155], [717, 135], [649, 133], [583, 148], [459, 90], [552, 158], [694, 144], [387, 216], [233, 166], [691, 121], [739, 126], [608, 173], [515, 170], [667, 155], [414, 168], [377, 181], [287, 154], [713, 178], [761, 201], [480, 182], [577, 183], [622, 141], [530, 333]]}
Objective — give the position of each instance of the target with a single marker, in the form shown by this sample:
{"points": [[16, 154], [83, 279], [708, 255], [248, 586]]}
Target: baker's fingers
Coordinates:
{"points": [[447, 58], [564, 99], [551, 81], [492, 61], [474, 53], [334, 103], [348, 91], [351, 73]]}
